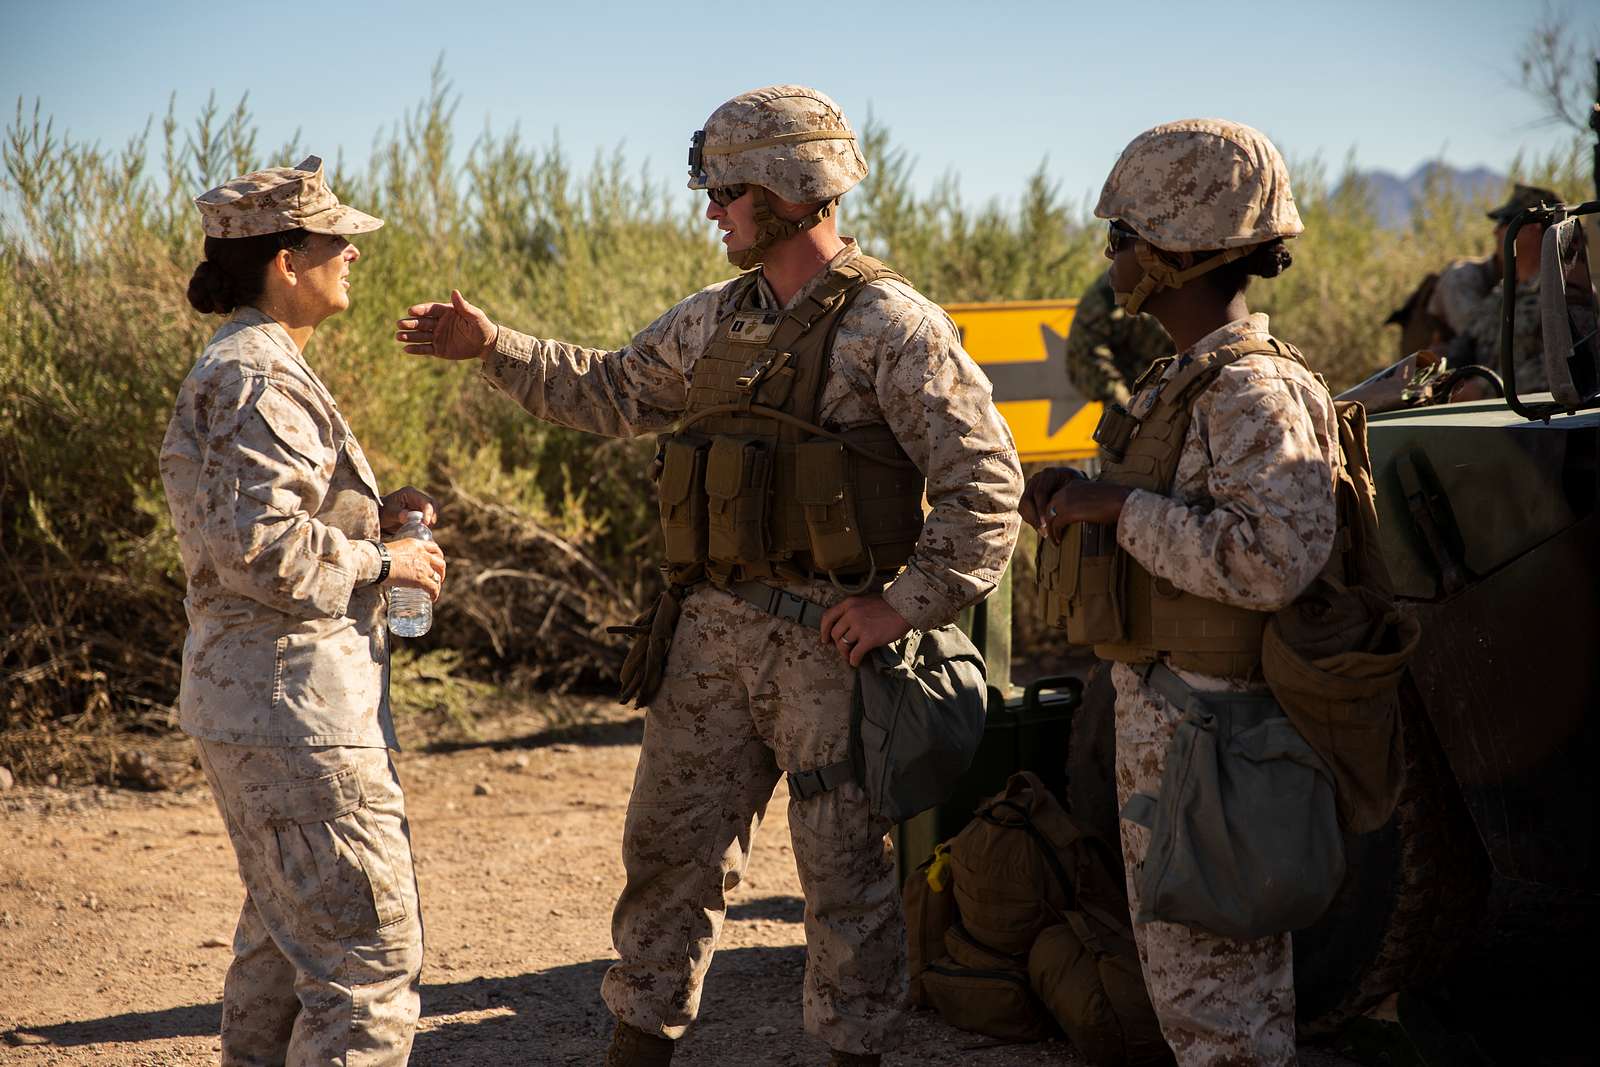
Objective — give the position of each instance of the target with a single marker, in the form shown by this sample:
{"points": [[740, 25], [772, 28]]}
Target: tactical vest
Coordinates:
{"points": [[1106, 598], [752, 486]]}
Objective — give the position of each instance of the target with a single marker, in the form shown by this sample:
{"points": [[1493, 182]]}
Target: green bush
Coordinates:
{"points": [[97, 248]]}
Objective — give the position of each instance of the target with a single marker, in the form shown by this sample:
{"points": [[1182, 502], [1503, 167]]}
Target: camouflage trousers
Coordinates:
{"points": [[747, 696], [329, 942], [1220, 1002]]}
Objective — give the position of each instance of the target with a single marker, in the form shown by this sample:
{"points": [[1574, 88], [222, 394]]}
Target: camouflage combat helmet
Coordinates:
{"points": [[789, 139], [1198, 185]]}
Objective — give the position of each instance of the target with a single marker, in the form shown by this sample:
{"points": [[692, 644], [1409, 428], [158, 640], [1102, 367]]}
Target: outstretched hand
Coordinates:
{"points": [[456, 330]]}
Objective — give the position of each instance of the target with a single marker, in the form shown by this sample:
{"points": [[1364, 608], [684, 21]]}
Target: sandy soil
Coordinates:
{"points": [[116, 910]]}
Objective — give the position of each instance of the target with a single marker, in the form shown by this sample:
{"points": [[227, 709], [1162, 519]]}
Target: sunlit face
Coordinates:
{"points": [[737, 221], [322, 273]]}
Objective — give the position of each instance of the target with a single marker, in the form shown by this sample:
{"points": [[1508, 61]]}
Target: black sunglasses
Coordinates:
{"points": [[1119, 235], [723, 195]]}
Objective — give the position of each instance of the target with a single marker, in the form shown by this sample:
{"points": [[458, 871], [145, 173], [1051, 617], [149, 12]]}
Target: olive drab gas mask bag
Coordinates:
{"points": [[917, 720], [1244, 835]]}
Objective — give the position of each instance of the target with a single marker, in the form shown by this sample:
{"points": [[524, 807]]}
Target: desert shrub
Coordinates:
{"points": [[550, 531]]}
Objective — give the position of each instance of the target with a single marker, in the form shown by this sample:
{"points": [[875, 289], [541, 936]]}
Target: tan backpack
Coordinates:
{"points": [[1020, 924], [1334, 657]]}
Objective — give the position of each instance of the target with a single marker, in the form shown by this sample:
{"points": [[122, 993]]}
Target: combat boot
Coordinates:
{"points": [[853, 1059], [632, 1047]]}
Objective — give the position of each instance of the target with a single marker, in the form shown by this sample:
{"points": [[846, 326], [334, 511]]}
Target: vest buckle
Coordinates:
{"points": [[759, 368]]}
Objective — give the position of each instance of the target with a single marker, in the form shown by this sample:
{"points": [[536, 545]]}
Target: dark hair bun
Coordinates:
{"points": [[211, 290], [1268, 260]]}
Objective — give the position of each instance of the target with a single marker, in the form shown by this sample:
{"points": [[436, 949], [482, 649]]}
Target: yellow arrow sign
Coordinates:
{"points": [[1022, 346]]}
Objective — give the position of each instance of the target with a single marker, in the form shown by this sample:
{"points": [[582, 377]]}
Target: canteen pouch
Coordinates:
{"points": [[682, 498], [737, 472], [826, 494], [1084, 579]]}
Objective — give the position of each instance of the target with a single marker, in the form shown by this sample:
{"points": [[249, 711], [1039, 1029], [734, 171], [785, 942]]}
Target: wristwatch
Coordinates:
{"points": [[383, 562]]}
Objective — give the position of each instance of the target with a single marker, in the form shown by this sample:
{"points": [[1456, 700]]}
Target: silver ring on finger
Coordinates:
{"points": [[847, 640]]}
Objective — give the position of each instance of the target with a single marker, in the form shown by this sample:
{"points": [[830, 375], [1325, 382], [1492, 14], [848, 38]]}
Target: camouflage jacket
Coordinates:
{"points": [[1107, 349], [273, 503], [896, 360], [1527, 335], [1250, 519], [1461, 287]]}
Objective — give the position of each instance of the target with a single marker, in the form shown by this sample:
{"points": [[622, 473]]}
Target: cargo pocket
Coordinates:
{"points": [[332, 863], [827, 499], [983, 990], [737, 471], [682, 497]]}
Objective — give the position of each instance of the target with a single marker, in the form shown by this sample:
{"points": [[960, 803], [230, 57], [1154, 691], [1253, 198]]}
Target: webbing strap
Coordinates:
{"points": [[803, 785], [782, 138], [781, 603]]}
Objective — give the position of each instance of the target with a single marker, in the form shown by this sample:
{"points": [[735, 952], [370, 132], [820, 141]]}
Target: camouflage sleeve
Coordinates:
{"points": [[269, 454], [1527, 336], [1460, 289], [938, 404], [1091, 363], [1268, 529], [637, 389]]}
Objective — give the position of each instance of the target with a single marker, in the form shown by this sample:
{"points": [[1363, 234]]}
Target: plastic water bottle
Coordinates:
{"points": [[410, 610]]}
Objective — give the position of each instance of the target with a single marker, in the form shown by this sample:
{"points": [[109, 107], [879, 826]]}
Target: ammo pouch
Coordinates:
{"points": [[915, 724], [827, 497], [1244, 837], [737, 473], [1084, 579], [682, 496]]}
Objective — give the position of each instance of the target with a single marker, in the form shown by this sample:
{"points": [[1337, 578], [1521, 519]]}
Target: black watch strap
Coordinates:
{"points": [[383, 562]]}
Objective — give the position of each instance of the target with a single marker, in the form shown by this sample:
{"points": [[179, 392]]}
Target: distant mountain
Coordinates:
{"points": [[1392, 196]]}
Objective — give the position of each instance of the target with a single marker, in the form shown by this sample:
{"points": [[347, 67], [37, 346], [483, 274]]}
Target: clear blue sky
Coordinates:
{"points": [[984, 90]]}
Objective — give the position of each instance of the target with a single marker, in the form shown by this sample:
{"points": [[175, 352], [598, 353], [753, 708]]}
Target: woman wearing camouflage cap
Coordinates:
{"points": [[1218, 500], [285, 669]]}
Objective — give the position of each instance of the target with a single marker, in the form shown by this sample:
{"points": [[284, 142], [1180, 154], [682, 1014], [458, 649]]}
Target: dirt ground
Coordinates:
{"points": [[116, 911]]}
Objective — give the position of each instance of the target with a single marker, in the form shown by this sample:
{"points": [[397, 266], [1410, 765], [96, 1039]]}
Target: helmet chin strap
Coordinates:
{"points": [[770, 229], [1159, 274]]}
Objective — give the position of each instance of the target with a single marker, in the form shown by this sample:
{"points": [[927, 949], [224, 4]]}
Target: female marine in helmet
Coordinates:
{"points": [[1240, 526]]}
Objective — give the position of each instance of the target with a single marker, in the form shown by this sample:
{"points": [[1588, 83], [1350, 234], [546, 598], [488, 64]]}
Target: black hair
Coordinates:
{"points": [[235, 269], [1266, 260]]}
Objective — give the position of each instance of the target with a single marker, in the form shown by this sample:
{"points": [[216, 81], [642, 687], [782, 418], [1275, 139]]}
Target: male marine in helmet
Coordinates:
{"points": [[812, 402]]}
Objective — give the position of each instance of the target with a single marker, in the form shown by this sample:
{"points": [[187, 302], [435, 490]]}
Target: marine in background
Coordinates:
{"points": [[1107, 349]]}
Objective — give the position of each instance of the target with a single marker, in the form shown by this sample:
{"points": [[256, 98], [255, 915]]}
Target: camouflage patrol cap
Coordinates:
{"points": [[278, 199], [1523, 197], [787, 138], [1199, 185]]}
